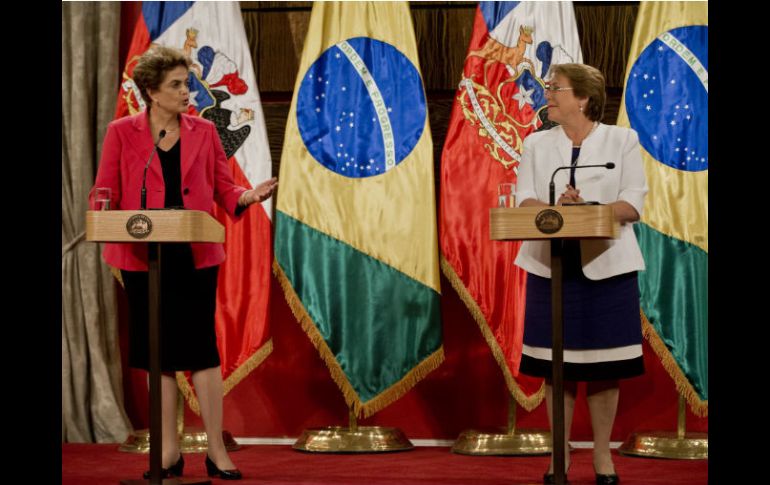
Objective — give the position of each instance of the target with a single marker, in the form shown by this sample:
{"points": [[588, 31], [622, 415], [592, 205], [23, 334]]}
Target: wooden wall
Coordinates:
{"points": [[276, 33]]}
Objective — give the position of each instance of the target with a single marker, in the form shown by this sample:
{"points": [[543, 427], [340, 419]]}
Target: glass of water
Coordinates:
{"points": [[102, 198], [505, 195]]}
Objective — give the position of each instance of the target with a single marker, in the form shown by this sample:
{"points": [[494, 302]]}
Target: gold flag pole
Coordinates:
{"points": [[353, 439], [662, 444], [507, 442]]}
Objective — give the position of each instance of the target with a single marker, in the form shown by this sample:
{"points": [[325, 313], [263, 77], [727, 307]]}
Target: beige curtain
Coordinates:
{"points": [[92, 396]]}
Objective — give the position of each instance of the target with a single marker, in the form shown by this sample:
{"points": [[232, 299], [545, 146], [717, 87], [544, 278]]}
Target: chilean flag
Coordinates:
{"points": [[223, 89], [500, 100]]}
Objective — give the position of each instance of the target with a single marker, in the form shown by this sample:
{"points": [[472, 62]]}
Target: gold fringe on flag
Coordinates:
{"points": [[527, 402], [245, 369], [378, 402], [116, 273], [232, 380], [698, 406], [187, 391], [395, 391]]}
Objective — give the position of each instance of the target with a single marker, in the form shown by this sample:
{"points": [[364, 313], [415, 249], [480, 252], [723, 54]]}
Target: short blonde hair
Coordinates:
{"points": [[153, 65], [587, 82]]}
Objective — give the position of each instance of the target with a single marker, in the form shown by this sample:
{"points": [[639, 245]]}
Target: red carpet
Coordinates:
{"points": [[273, 464]]}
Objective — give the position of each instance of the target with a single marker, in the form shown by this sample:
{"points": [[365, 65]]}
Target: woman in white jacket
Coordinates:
{"points": [[602, 329]]}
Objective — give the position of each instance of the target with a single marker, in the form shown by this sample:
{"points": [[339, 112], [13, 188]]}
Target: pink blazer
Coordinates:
{"points": [[206, 177]]}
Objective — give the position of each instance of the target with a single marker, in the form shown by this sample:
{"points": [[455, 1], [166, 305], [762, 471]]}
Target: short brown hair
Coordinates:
{"points": [[587, 82], [153, 65]]}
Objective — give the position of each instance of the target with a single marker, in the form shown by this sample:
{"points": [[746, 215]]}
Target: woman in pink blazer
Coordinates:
{"points": [[189, 169]]}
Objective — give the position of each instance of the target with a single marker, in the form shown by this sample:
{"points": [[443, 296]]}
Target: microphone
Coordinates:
{"points": [[551, 187], [144, 178]]}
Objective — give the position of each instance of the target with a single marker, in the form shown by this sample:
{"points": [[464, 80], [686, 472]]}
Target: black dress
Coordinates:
{"points": [[188, 338]]}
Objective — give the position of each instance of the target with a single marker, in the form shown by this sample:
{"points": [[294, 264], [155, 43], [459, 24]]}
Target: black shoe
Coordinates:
{"points": [[550, 479], [174, 470], [607, 479], [214, 471]]}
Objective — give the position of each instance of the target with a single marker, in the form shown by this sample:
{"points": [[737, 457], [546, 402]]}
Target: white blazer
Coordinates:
{"points": [[544, 152]]}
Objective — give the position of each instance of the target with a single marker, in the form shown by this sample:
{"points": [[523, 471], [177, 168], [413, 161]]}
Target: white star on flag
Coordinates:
{"points": [[524, 97]]}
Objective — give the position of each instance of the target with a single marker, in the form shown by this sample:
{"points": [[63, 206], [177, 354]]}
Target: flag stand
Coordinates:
{"points": [[661, 444], [353, 439], [506, 442], [191, 440]]}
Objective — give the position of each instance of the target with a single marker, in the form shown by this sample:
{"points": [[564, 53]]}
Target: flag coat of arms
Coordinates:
{"points": [[666, 101], [500, 100], [356, 240], [223, 90]]}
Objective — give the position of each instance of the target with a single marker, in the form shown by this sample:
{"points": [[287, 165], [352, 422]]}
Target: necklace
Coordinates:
{"points": [[168, 130]]}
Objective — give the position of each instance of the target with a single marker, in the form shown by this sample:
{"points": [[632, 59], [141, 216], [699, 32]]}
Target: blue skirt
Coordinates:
{"points": [[602, 324]]}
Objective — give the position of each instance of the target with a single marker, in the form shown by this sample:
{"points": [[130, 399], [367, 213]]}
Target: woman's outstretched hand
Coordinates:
{"points": [[259, 193]]}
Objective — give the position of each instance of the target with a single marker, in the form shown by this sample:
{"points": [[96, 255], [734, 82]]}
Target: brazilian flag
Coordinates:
{"points": [[356, 245], [666, 102]]}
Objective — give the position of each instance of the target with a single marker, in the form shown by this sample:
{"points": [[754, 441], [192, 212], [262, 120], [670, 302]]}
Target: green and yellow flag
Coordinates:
{"points": [[666, 102], [355, 228]]}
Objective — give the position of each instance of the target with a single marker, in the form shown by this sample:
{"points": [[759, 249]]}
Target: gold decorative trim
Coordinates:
{"points": [[230, 382], [245, 369], [395, 391], [116, 273], [529, 403], [187, 391], [698, 406], [380, 401]]}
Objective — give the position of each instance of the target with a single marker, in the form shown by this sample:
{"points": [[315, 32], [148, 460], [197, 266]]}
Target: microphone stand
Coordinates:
{"points": [[144, 177]]}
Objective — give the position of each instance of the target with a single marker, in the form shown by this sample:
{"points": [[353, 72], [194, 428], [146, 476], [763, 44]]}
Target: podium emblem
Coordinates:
{"points": [[549, 221], [139, 226]]}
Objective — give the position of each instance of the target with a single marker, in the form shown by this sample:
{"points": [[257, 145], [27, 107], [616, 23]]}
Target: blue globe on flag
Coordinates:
{"points": [[361, 108], [667, 98]]}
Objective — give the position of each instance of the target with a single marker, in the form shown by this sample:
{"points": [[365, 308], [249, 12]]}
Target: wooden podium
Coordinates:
{"points": [[154, 227], [555, 223]]}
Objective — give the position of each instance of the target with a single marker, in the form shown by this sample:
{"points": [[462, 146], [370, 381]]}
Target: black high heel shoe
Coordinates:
{"points": [[613, 479], [213, 471], [550, 479], [174, 470]]}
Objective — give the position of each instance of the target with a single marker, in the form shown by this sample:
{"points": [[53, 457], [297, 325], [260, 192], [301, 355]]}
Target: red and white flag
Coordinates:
{"points": [[500, 100]]}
